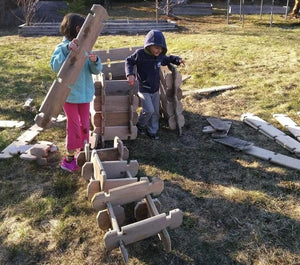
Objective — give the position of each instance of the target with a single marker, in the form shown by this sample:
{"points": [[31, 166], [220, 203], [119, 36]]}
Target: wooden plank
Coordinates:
{"points": [[264, 154], [121, 131], [119, 87], [289, 124], [270, 131], [235, 143], [118, 169], [114, 71], [59, 91], [120, 103], [143, 229], [24, 139], [128, 193], [120, 118], [273, 157], [11, 124], [114, 183], [218, 124], [208, 90]]}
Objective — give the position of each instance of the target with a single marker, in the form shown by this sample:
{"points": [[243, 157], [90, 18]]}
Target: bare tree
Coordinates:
{"points": [[29, 8]]}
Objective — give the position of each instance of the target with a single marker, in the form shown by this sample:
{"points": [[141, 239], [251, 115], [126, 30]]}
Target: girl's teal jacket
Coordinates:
{"points": [[83, 90]]}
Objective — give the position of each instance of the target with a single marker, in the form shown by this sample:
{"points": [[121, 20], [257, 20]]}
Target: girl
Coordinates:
{"points": [[77, 105]]}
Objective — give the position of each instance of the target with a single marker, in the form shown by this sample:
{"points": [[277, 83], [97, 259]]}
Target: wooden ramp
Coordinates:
{"points": [[113, 184]]}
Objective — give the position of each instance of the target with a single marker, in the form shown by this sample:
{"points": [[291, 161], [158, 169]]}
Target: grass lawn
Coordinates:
{"points": [[237, 209]]}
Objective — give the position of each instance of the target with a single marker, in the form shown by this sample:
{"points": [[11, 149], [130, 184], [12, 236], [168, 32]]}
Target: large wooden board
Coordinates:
{"points": [[59, 91]]}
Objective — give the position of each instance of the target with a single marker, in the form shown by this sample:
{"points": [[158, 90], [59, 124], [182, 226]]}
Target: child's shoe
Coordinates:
{"points": [[141, 130], [69, 166], [153, 136]]}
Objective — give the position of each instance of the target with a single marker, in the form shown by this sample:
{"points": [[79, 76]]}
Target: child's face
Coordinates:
{"points": [[155, 50]]}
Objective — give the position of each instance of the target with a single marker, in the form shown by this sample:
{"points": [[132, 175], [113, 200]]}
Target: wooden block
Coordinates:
{"points": [[103, 217], [128, 193], [40, 149], [28, 157], [93, 187], [87, 169], [143, 229], [141, 210], [56, 97]]}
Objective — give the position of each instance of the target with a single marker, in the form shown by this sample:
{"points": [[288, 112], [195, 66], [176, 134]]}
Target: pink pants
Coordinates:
{"points": [[78, 124]]}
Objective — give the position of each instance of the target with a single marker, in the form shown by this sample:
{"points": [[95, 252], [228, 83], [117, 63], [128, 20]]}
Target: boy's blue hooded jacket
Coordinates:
{"points": [[147, 65], [83, 90]]}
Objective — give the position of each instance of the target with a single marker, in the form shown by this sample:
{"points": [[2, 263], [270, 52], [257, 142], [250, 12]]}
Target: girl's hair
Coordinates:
{"points": [[69, 24]]}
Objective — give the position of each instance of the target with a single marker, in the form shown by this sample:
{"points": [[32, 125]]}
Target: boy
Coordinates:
{"points": [[148, 61]]}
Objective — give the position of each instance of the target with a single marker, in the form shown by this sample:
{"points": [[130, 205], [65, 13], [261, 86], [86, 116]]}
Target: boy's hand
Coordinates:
{"points": [[181, 61], [131, 79]]}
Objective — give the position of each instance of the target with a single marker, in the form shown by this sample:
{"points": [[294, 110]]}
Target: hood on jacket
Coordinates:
{"points": [[155, 37]]}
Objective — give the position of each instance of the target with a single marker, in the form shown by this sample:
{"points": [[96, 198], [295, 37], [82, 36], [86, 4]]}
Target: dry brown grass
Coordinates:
{"points": [[237, 209]]}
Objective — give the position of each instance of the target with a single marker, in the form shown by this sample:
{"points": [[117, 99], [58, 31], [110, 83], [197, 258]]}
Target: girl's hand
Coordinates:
{"points": [[131, 79], [181, 61], [93, 57], [73, 45]]}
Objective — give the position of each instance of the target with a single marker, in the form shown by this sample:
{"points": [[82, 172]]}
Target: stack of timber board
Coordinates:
{"points": [[112, 186], [256, 9], [114, 107], [110, 27]]}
